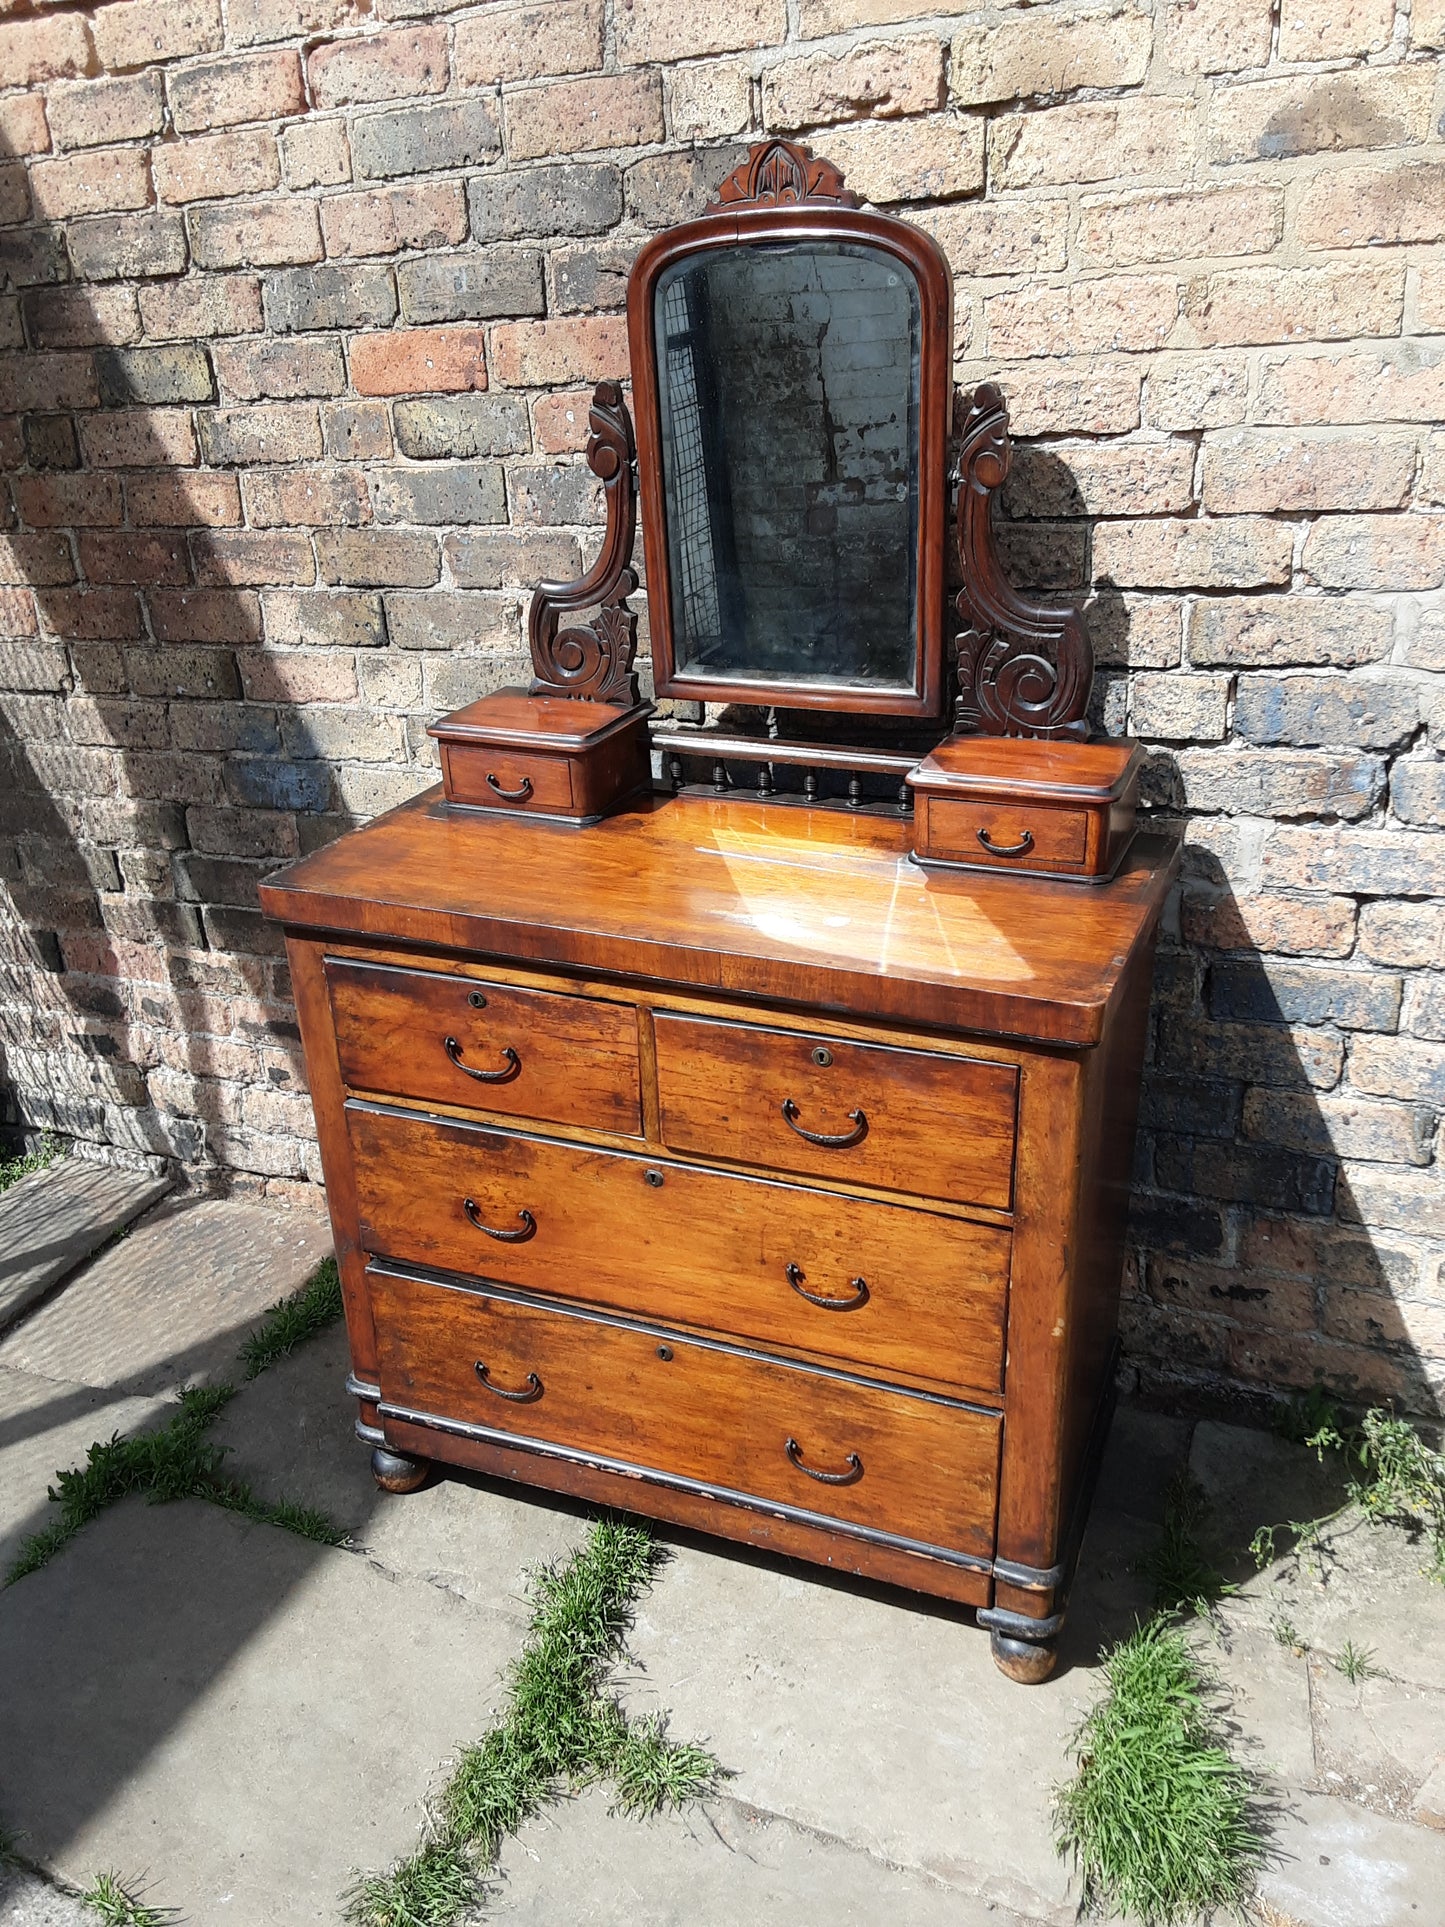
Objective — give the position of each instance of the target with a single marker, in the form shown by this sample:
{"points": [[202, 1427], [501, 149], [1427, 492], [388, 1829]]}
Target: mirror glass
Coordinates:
{"points": [[789, 377]]}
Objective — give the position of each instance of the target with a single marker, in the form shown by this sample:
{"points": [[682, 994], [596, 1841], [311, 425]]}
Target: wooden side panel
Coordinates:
{"points": [[919, 1122], [428, 1035], [915, 1467], [915, 1293]]}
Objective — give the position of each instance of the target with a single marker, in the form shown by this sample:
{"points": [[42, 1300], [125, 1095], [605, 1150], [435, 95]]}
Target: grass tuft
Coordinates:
{"points": [[1160, 1819], [118, 1907], [1184, 1579], [1356, 1662], [291, 1321], [49, 1151], [560, 1728]]}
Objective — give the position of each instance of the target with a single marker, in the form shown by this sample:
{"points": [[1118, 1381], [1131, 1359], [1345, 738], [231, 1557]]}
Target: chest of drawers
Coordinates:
{"points": [[742, 1175]]}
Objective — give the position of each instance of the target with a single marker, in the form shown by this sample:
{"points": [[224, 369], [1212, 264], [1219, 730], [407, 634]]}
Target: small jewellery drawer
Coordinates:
{"points": [[1007, 835], [907, 1464], [509, 779], [885, 1287], [907, 1120], [424, 1035]]}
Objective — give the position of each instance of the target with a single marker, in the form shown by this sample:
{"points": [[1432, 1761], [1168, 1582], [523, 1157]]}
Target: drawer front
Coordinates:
{"points": [[903, 1290], [460, 1040], [912, 1121], [976, 831], [508, 779], [901, 1463]]}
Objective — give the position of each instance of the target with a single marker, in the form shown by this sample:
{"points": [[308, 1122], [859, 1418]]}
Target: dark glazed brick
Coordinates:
{"points": [[30, 257], [1237, 1174], [462, 427], [667, 188], [549, 497], [1181, 1225], [440, 621], [127, 247], [425, 140], [1374, 712], [296, 299], [50, 441], [364, 558], [586, 279], [178, 671], [1199, 1106], [274, 785], [322, 619], [1296, 994], [153, 376], [448, 495], [570, 199], [472, 287]]}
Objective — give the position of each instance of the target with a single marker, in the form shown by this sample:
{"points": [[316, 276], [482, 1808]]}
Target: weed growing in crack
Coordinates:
{"points": [[1184, 1580], [560, 1730], [1356, 1662], [49, 1151], [293, 1320], [1162, 1822], [113, 1903]]}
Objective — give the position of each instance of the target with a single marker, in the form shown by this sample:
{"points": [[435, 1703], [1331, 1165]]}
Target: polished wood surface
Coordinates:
{"points": [[941, 1126], [473, 1042], [1004, 835], [904, 1291], [996, 803], [800, 906], [909, 1465]]}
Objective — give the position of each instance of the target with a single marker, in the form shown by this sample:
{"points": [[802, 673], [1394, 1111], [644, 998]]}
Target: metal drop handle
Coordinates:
{"points": [[511, 1065], [850, 1477], [528, 1230], [510, 796], [531, 1385], [795, 1276], [830, 1141], [1007, 849]]}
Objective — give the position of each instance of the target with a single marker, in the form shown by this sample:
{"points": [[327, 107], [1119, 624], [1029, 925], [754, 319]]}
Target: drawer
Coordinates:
{"points": [[460, 1040], [907, 1120], [903, 1290], [509, 779], [902, 1463], [977, 830]]}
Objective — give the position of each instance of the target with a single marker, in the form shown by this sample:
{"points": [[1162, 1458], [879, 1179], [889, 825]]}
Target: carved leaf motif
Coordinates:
{"points": [[782, 173]]}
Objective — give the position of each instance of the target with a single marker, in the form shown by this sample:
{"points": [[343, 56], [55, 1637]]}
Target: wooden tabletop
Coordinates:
{"points": [[784, 904]]}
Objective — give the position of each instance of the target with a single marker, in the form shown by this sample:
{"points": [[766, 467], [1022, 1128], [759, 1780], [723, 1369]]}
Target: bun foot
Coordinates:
{"points": [[1029, 1661], [395, 1472]]}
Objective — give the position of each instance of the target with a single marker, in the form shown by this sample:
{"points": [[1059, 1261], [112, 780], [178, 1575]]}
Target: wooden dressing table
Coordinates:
{"points": [[693, 1144]]}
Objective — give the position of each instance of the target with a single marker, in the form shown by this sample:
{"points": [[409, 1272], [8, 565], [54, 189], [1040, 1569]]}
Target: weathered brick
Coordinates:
{"points": [[546, 353], [134, 558], [378, 558], [656, 30], [279, 370], [559, 421], [1260, 473], [271, 784], [1291, 926], [1417, 792], [153, 376], [221, 93], [542, 497], [450, 622], [574, 198], [1238, 552], [250, 22], [386, 220], [315, 153], [47, 381], [1277, 119], [1348, 1127], [666, 188], [524, 43], [34, 666], [142, 31], [1389, 386], [1127, 231], [1125, 312], [1408, 935], [61, 501], [1332, 29], [426, 140], [93, 113], [31, 256], [306, 497], [710, 100], [911, 160], [23, 128], [1101, 398], [1427, 23], [1365, 863], [513, 559], [1377, 552], [1362, 712], [1241, 306], [1178, 708], [1399, 1067], [355, 431], [1279, 782], [439, 493], [579, 116], [256, 234], [81, 317], [882, 78], [15, 194], [201, 304], [1304, 994], [1233, 1173], [1093, 141], [1362, 207], [247, 559], [502, 281], [1101, 478], [383, 66], [414, 361], [1282, 1304], [127, 247], [213, 167], [236, 436], [462, 428], [288, 676], [298, 299], [325, 619], [1427, 1010], [44, 49], [183, 499], [1031, 58], [1008, 237]]}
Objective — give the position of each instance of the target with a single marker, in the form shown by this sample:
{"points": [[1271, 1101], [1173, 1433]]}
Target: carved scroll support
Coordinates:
{"points": [[1024, 669], [594, 659]]}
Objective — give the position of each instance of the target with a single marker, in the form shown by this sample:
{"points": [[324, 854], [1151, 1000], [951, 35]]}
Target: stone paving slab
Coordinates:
{"points": [[26, 1901], [53, 1220], [1339, 1866], [168, 1305]]}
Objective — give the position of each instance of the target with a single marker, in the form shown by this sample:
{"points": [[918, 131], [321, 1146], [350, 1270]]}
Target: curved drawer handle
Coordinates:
{"points": [[850, 1477], [528, 1230], [830, 1141], [1007, 849], [508, 1071], [531, 1385], [510, 796], [795, 1276]]}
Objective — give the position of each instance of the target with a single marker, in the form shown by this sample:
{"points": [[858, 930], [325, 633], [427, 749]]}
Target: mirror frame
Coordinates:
{"points": [[781, 192]]}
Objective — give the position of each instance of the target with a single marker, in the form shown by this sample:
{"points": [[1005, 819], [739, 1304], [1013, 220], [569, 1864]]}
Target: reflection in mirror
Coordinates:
{"points": [[789, 377]]}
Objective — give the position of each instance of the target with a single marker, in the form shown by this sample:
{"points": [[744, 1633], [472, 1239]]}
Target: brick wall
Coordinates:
{"points": [[301, 301]]}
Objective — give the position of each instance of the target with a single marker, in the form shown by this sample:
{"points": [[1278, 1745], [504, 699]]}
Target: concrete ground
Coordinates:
{"points": [[236, 1719]]}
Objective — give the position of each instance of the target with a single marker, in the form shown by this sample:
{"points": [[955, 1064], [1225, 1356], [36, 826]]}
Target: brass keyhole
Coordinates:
{"points": [[476, 1000], [664, 1352], [654, 1178], [822, 1055]]}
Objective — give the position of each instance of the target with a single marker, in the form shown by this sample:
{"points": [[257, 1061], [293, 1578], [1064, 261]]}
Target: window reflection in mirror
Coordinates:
{"points": [[789, 378]]}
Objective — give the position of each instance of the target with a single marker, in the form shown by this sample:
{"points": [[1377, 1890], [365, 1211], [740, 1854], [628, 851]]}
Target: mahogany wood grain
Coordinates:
{"points": [[917, 1467], [690, 1247], [523, 1053], [911, 1121], [508, 779], [1006, 835], [810, 907]]}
